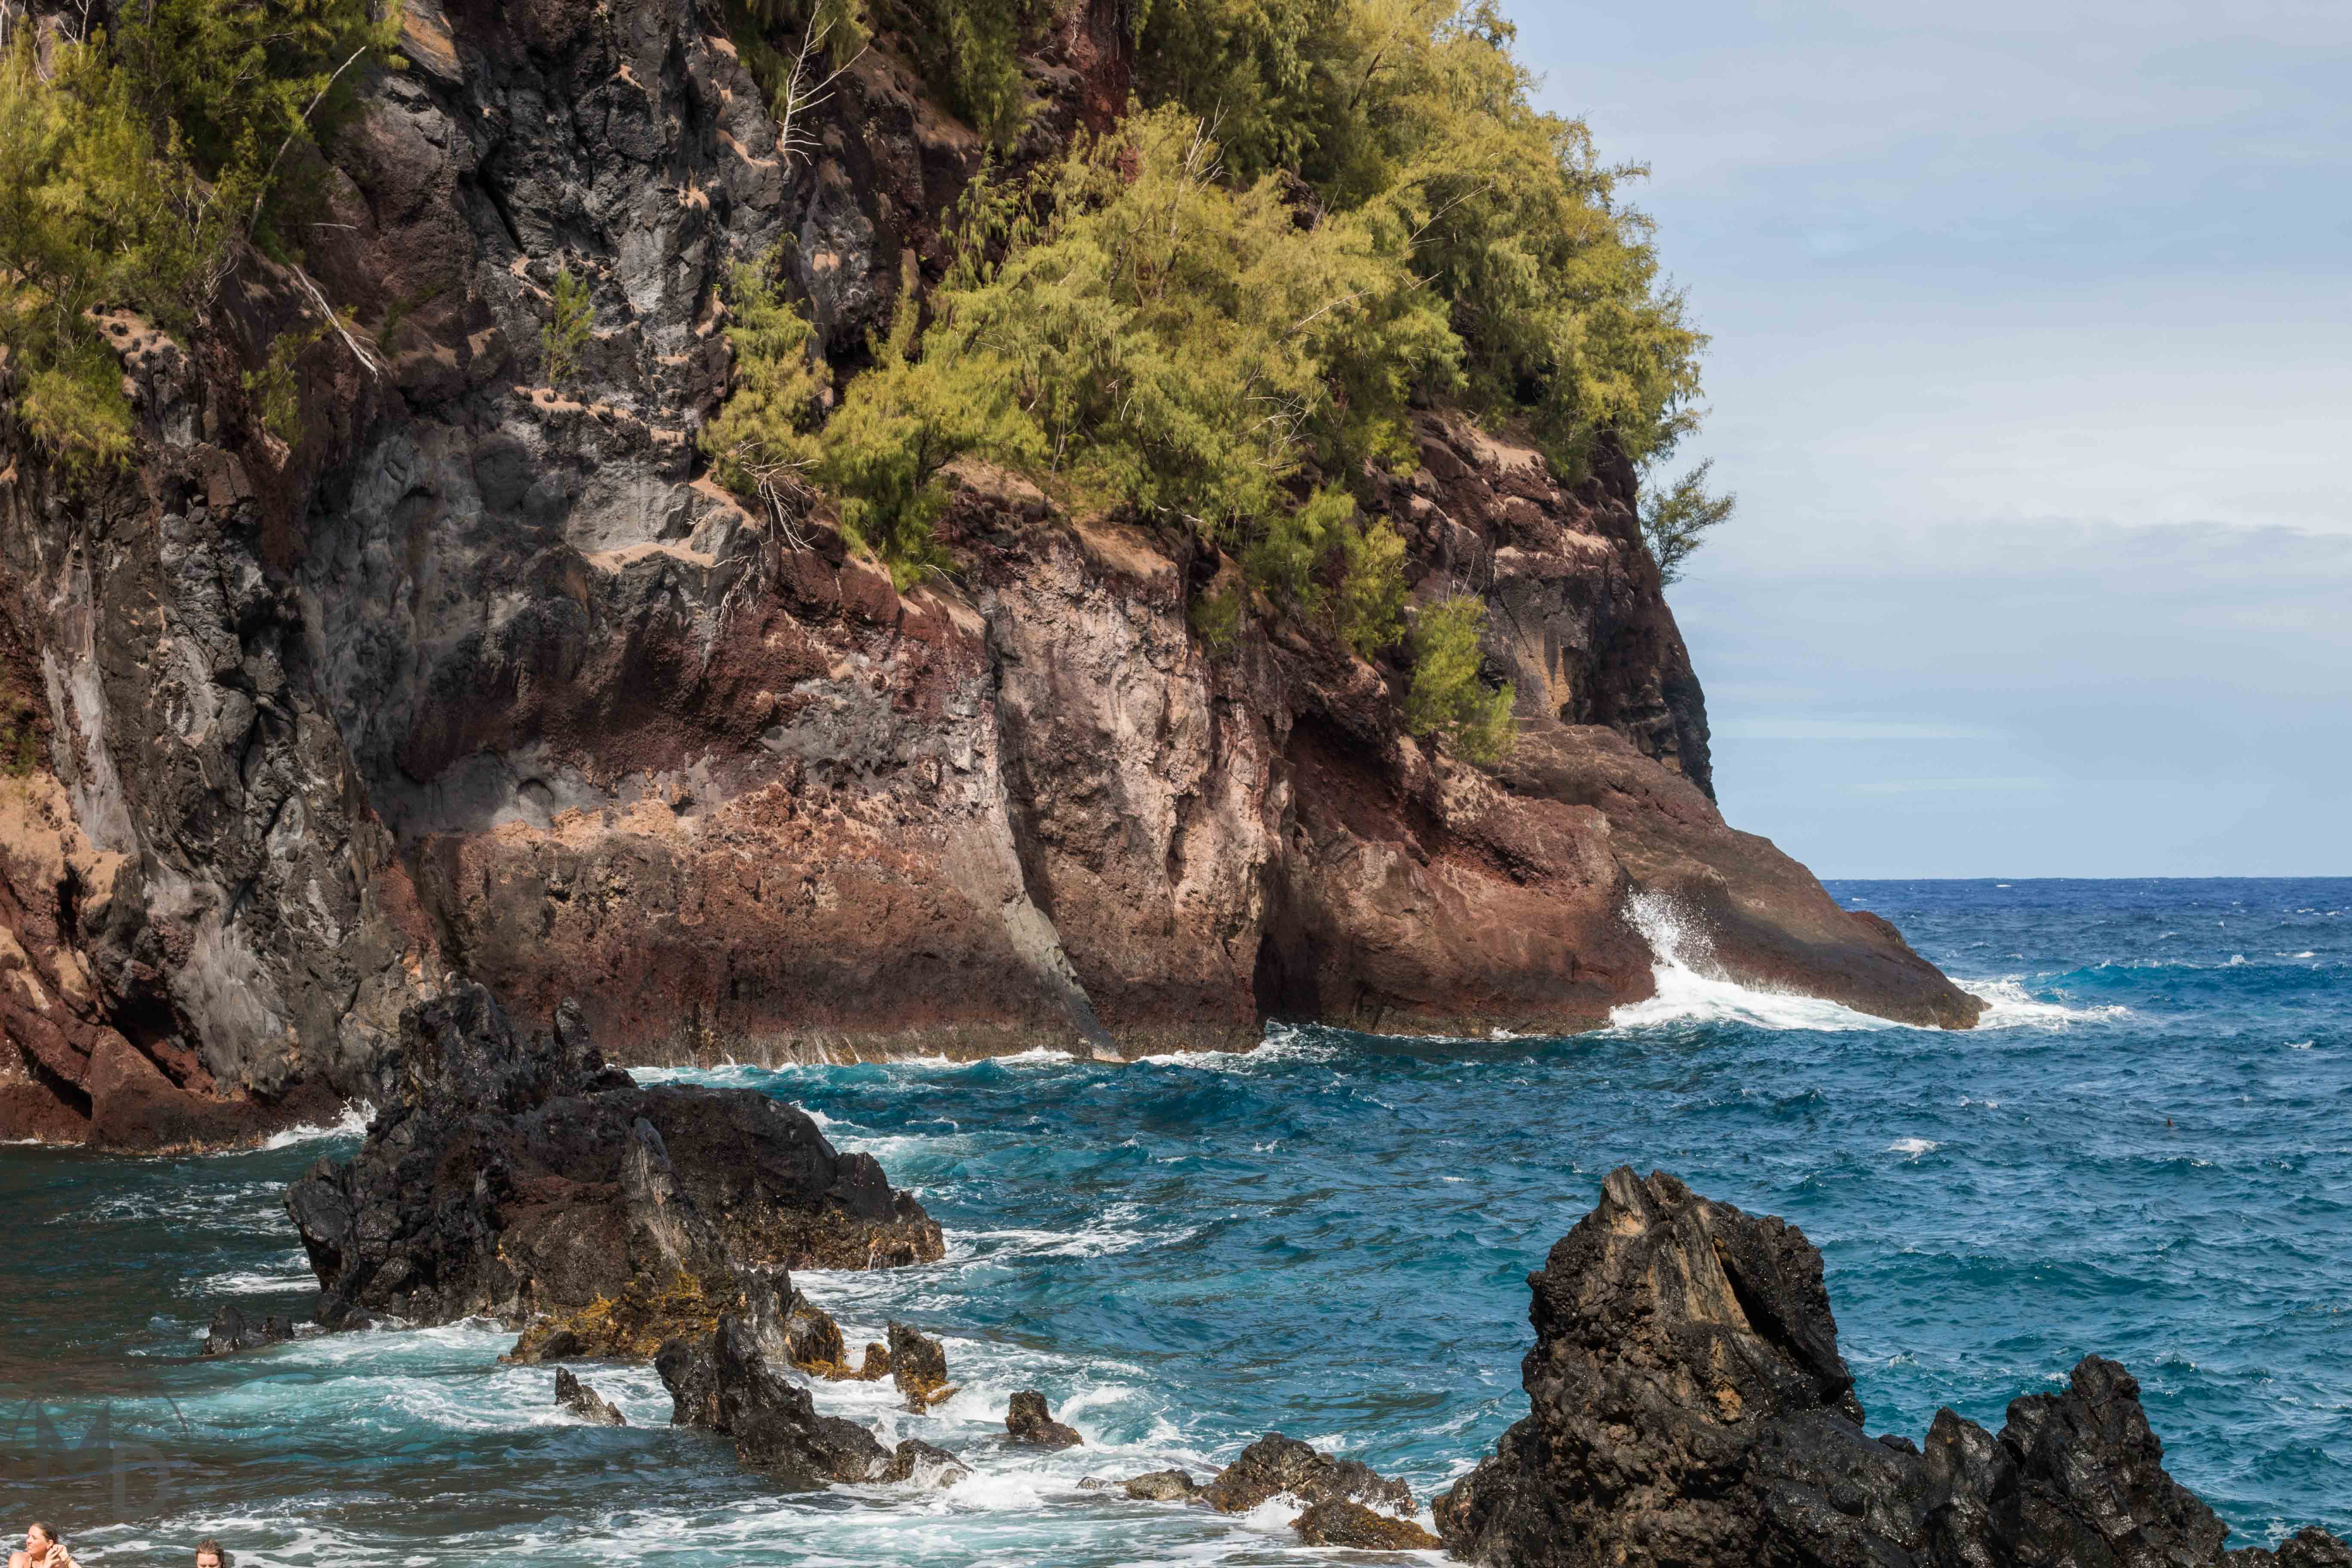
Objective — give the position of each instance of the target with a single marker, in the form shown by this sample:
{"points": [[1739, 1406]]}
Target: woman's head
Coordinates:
{"points": [[39, 1537]]}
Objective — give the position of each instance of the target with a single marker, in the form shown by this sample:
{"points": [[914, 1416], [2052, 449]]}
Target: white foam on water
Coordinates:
{"points": [[351, 1123], [2008, 1005], [1280, 1043], [1692, 988], [1914, 1147], [295, 1276], [2298, 1045]]}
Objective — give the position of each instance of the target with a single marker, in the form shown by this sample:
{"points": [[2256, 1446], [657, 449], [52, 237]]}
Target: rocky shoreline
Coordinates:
{"points": [[1688, 1403]]}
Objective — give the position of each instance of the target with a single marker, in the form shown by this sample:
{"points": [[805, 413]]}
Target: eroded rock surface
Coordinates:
{"points": [[1275, 1466], [918, 1366], [520, 1176], [725, 1382], [1029, 1422], [585, 1401], [1688, 1406], [1342, 1524]]}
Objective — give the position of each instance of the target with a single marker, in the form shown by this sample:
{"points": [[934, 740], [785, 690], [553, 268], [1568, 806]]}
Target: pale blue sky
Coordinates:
{"points": [[2032, 367]]}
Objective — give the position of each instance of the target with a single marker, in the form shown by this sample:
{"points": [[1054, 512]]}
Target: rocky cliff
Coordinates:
{"points": [[478, 676]]}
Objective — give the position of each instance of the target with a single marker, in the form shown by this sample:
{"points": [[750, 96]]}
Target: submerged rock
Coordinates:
{"points": [[1156, 1486], [1688, 1406], [917, 1461], [1031, 1422], [518, 1177], [1275, 1464], [585, 1401], [1340, 1522], [724, 1381], [918, 1365], [232, 1332]]}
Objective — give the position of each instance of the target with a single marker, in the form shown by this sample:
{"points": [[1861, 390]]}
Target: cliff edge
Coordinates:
{"points": [[477, 675]]}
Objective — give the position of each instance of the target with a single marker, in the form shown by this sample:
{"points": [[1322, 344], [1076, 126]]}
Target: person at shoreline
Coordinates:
{"points": [[210, 1554], [43, 1548]]}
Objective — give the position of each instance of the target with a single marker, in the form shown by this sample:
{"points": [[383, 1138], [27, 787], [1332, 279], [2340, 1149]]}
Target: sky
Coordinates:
{"points": [[2031, 366]]}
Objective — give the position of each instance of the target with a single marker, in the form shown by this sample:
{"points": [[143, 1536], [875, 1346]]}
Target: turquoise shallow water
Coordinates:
{"points": [[1329, 1238]]}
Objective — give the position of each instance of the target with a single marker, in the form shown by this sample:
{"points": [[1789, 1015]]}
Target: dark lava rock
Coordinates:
{"points": [[917, 1461], [1275, 1463], [1031, 1422], [585, 1401], [2310, 1547], [1159, 1486], [918, 1365], [1688, 1406], [724, 1381], [518, 1177], [1342, 1524], [790, 1324], [232, 1332]]}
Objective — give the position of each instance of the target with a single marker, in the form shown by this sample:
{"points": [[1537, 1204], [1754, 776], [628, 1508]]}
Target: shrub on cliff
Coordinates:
{"points": [[968, 50], [1674, 519], [1180, 345], [130, 168], [1415, 111], [1136, 332], [1446, 701], [761, 443], [571, 317]]}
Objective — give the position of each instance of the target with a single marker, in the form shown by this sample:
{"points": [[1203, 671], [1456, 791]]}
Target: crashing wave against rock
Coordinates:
{"points": [[518, 1177], [1688, 1406]]}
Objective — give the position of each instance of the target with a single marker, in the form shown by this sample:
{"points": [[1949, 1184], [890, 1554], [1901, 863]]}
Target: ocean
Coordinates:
{"points": [[2146, 1150]]}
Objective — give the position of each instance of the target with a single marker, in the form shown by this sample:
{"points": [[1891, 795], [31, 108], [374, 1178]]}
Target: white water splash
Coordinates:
{"points": [[2008, 1006], [351, 1123], [1692, 988]]}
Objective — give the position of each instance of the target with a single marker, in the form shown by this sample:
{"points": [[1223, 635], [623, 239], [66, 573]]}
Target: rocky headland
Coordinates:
{"points": [[1688, 1406], [483, 674]]}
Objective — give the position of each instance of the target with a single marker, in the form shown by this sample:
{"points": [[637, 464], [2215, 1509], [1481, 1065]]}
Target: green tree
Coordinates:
{"points": [[1446, 701], [571, 315], [130, 170], [762, 443], [1416, 109], [1676, 519], [901, 423], [94, 212]]}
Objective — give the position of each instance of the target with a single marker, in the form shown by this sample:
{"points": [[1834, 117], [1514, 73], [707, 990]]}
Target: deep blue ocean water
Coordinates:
{"points": [[2147, 1151]]}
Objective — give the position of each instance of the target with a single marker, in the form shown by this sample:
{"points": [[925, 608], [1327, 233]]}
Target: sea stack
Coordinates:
{"points": [[1689, 1408]]}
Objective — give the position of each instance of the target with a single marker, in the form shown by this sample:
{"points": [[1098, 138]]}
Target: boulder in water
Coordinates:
{"points": [[520, 1177], [1339, 1522], [232, 1330], [917, 1461], [585, 1401], [1275, 1464], [1158, 1486], [1688, 1406], [1031, 1423], [724, 1381], [918, 1365]]}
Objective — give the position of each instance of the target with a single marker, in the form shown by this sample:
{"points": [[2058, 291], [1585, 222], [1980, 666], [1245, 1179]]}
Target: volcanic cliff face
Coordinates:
{"points": [[482, 676]]}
